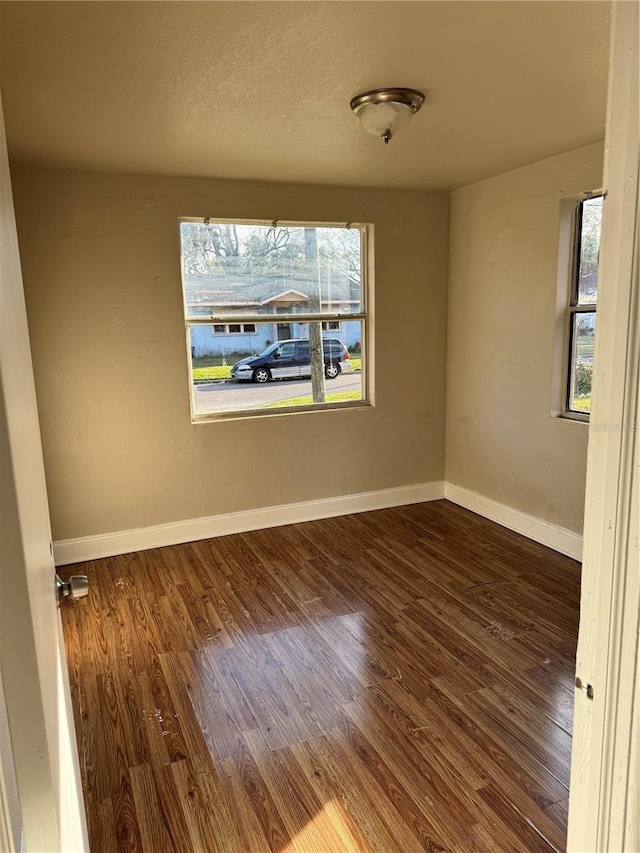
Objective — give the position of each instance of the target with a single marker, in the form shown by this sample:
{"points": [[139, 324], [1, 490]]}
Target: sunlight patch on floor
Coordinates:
{"points": [[328, 830]]}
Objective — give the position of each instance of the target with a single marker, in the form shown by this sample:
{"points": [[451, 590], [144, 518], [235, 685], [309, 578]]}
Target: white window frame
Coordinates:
{"points": [[242, 331], [364, 317], [567, 307]]}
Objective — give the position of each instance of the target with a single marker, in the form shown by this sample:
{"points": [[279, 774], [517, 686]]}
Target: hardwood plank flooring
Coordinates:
{"points": [[398, 680]]}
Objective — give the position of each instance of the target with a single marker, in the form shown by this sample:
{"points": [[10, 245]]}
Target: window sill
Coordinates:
{"points": [[570, 417], [217, 417]]}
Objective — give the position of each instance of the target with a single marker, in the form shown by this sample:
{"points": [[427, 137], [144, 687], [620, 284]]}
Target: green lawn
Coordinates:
{"points": [[585, 348], [582, 404], [212, 372], [338, 397]]}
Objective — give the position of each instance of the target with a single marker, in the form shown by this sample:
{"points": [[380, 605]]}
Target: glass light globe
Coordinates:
{"points": [[383, 112]]}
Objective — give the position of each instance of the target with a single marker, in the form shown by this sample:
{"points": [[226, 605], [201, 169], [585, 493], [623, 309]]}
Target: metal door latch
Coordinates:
{"points": [[587, 688], [76, 587]]}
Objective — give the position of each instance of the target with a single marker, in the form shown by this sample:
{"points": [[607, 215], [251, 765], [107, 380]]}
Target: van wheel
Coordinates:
{"points": [[261, 374], [331, 370]]}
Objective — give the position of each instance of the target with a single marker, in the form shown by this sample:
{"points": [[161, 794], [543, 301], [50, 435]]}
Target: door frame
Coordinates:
{"points": [[10, 817], [606, 742], [603, 813], [42, 741]]}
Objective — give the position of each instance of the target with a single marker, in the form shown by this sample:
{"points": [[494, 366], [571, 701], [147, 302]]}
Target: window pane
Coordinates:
{"points": [[258, 269], [250, 328], [263, 373], [591, 226], [219, 329], [582, 342]]}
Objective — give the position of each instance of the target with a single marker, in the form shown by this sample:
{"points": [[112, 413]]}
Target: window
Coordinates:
{"points": [[576, 305], [276, 316], [234, 329], [582, 305]]}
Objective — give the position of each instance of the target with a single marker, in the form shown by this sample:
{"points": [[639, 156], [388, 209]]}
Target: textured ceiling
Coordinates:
{"points": [[261, 90]]}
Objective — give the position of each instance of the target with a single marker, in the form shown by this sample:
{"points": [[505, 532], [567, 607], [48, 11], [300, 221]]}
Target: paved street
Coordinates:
{"points": [[232, 396]]}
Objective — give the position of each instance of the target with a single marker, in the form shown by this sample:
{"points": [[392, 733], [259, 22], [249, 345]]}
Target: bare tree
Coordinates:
{"points": [[276, 238], [203, 244], [223, 239]]}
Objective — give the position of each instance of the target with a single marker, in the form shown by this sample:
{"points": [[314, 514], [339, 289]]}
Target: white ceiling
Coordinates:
{"points": [[261, 90]]}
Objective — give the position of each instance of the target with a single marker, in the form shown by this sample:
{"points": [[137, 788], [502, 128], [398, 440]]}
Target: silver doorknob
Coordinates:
{"points": [[76, 587]]}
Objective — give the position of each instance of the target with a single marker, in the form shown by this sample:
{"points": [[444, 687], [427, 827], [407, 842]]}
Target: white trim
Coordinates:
{"points": [[108, 544], [564, 309], [10, 816], [552, 535], [566, 244], [284, 223], [242, 331], [279, 297], [603, 801], [190, 530]]}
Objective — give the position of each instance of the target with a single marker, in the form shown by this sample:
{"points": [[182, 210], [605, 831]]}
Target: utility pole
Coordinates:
{"points": [[318, 390]]}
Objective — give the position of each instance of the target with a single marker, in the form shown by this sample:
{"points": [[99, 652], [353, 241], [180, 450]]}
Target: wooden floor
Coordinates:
{"points": [[399, 680]]}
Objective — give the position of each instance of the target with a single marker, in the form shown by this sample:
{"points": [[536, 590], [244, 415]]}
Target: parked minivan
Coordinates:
{"points": [[291, 358]]}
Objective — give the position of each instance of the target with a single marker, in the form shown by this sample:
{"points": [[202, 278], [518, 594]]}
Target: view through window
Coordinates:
{"points": [[276, 316], [583, 304]]}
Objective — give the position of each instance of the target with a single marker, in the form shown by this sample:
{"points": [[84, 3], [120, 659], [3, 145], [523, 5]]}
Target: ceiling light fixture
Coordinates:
{"points": [[383, 112]]}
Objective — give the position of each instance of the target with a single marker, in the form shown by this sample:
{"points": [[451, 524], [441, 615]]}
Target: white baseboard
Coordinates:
{"points": [[559, 538], [123, 542]]}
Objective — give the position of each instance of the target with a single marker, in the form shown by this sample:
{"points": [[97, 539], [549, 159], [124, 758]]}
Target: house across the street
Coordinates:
{"points": [[215, 296]]}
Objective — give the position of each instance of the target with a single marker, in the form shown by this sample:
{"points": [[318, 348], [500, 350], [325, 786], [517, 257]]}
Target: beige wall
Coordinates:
{"points": [[500, 440], [102, 280]]}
